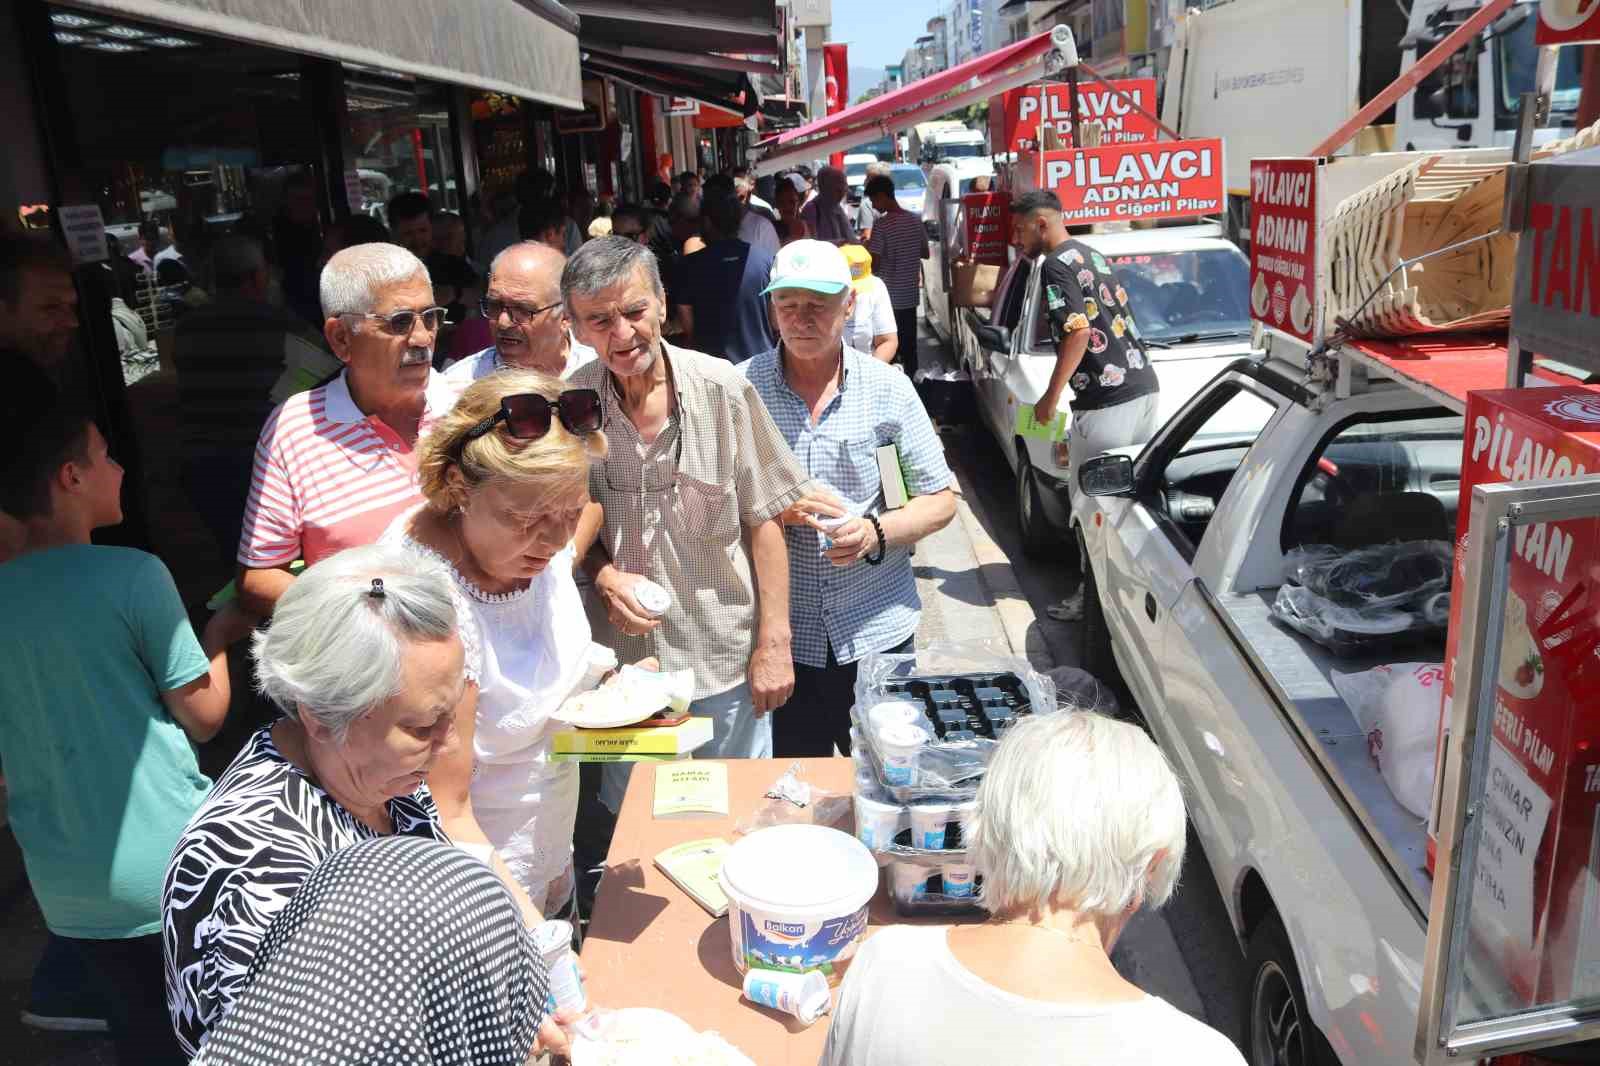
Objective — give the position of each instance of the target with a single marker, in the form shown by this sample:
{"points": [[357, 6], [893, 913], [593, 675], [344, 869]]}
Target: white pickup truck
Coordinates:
{"points": [[1322, 870]]}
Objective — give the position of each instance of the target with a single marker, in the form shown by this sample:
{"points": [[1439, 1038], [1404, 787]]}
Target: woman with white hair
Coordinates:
{"points": [[364, 659], [1080, 823]]}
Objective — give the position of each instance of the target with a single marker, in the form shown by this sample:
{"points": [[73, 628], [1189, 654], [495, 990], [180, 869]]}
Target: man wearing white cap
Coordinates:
{"points": [[851, 589]]}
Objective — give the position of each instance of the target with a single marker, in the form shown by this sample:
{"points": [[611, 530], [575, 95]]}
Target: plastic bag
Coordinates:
{"points": [[1079, 690], [1398, 574], [1398, 707], [792, 800], [1343, 630], [950, 657]]}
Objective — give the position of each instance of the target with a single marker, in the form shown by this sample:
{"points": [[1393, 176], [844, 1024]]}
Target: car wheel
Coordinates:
{"points": [[1039, 538], [1094, 649], [1278, 1029]]}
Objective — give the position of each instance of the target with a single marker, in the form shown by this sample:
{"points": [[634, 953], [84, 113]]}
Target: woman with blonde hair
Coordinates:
{"points": [[505, 476]]}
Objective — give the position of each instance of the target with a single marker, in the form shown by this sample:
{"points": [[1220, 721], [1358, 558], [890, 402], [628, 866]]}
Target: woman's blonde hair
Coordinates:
{"points": [[558, 460]]}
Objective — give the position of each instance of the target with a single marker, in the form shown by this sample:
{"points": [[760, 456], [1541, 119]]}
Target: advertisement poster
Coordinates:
{"points": [[988, 222], [1284, 227], [1019, 113], [1568, 22], [1535, 904], [1121, 183]]}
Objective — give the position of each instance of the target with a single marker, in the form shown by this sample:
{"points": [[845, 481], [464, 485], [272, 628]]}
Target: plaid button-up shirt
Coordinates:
{"points": [[676, 511], [858, 608]]}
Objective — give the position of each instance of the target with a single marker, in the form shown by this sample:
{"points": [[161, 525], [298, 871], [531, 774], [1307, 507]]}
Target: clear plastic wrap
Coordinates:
{"points": [[792, 800], [1349, 601]]}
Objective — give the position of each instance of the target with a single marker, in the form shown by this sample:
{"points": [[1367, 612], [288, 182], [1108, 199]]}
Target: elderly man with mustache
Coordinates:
{"points": [[335, 465]]}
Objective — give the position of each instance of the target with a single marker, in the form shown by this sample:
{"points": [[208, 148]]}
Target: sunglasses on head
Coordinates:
{"points": [[527, 415]]}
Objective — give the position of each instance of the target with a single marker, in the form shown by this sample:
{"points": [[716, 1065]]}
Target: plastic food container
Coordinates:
{"points": [[797, 898], [803, 995], [960, 880], [928, 822], [877, 822], [891, 711], [652, 597], [909, 882], [900, 743]]}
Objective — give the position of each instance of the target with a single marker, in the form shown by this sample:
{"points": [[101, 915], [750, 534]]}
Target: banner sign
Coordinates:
{"points": [[836, 85], [1568, 22], [1015, 116], [1284, 227], [679, 105], [1121, 183], [1555, 306], [988, 227]]}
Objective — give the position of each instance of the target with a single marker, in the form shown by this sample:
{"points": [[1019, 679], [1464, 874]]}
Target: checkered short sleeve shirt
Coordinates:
{"points": [[677, 511], [858, 608]]}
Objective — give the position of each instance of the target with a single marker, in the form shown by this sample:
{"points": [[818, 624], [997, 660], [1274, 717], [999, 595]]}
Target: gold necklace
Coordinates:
{"points": [[1071, 936]]}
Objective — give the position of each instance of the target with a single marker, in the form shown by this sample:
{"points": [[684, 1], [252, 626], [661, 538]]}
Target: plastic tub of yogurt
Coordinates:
{"points": [[652, 597], [797, 898], [877, 822], [900, 743]]}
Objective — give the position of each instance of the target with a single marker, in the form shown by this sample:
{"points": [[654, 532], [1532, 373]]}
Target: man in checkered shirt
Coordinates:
{"points": [[851, 589]]}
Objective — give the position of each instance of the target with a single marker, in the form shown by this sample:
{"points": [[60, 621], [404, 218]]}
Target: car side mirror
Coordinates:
{"points": [[1106, 475], [992, 338]]}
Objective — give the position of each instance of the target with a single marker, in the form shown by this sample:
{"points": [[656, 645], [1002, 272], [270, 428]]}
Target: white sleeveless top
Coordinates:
{"points": [[528, 652]]}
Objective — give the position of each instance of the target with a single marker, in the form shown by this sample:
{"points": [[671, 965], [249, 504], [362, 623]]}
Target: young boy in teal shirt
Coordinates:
{"points": [[103, 686]]}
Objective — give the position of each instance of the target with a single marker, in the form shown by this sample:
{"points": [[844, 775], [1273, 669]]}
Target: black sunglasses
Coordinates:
{"points": [[527, 416]]}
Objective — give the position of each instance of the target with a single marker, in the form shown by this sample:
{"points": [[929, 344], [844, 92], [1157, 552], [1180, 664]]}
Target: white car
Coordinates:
{"points": [[910, 186], [855, 172], [1188, 287]]}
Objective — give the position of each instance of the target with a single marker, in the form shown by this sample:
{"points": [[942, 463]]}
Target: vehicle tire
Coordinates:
{"points": [[1094, 648], [1040, 540], [1278, 1030]]}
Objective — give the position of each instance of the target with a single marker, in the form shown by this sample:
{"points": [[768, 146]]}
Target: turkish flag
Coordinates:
{"points": [[836, 84]]}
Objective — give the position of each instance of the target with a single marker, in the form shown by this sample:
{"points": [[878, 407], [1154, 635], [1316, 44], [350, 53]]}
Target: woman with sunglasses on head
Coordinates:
{"points": [[506, 478]]}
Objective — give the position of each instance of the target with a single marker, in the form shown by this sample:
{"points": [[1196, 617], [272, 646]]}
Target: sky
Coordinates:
{"points": [[880, 31]]}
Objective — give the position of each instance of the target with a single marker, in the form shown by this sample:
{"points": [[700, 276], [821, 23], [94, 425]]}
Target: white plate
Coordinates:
{"points": [[606, 709]]}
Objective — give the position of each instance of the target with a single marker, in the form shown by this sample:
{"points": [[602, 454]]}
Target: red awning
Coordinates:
{"points": [[993, 73]]}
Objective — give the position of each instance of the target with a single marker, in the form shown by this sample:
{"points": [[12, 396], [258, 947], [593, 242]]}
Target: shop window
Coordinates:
{"points": [[398, 140]]}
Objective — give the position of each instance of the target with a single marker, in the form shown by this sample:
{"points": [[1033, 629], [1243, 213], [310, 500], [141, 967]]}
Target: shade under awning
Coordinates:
{"points": [[526, 48]]}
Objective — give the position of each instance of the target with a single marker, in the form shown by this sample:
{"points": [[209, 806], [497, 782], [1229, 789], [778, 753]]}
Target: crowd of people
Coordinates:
{"points": [[425, 554]]}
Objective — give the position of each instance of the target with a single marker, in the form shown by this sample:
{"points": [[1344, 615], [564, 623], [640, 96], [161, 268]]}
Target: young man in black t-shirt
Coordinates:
{"points": [[1114, 389]]}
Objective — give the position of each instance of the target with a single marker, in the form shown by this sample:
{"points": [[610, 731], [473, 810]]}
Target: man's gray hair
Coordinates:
{"points": [[235, 259], [604, 262], [1081, 811], [353, 277], [334, 650]]}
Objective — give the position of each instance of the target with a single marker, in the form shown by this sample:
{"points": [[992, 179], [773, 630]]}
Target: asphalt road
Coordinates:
{"points": [[1186, 953]]}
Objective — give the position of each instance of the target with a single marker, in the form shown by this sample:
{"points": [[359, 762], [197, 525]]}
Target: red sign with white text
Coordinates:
{"points": [[1568, 22], [1284, 195], [1121, 183], [1015, 116], [988, 220]]}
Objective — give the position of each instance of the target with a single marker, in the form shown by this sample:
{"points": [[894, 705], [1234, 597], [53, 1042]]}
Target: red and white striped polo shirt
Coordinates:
{"points": [[327, 477]]}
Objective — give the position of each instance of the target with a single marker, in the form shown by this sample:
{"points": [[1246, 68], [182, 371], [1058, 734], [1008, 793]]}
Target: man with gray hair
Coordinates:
{"points": [[335, 465], [691, 489], [229, 353], [531, 328], [825, 214]]}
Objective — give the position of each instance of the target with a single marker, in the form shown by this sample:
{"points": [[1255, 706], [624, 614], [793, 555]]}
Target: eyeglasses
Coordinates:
{"points": [[527, 416], [401, 323], [519, 314]]}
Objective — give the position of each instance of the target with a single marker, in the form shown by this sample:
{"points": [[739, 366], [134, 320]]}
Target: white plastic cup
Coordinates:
{"points": [[960, 880], [653, 599], [928, 822], [554, 941], [829, 524], [877, 822], [910, 882], [891, 711], [963, 813], [899, 744], [803, 995]]}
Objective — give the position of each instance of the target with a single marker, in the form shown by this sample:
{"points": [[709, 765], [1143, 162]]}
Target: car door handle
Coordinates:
{"points": [[1150, 606]]}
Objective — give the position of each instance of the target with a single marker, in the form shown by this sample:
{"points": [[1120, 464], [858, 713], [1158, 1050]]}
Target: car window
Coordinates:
{"points": [[909, 178], [1380, 478], [1182, 296], [1013, 289], [1197, 461]]}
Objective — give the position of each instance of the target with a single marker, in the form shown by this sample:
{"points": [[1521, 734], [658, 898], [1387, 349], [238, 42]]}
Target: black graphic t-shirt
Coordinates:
{"points": [[1081, 293]]}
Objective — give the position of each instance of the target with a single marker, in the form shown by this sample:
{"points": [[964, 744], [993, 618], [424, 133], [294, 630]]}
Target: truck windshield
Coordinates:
{"points": [[883, 148], [961, 151], [1175, 294], [908, 179], [1515, 56]]}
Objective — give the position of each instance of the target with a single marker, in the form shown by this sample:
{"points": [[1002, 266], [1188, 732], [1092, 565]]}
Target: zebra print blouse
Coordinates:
{"points": [[259, 834]]}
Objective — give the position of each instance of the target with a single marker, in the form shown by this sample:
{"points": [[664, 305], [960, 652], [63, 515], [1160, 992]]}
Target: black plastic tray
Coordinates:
{"points": [[982, 705]]}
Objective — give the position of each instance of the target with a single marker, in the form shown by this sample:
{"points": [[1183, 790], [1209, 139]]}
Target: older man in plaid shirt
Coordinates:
{"points": [[851, 589]]}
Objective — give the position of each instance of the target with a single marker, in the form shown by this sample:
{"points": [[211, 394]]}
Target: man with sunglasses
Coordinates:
{"points": [[693, 482], [531, 328], [335, 465]]}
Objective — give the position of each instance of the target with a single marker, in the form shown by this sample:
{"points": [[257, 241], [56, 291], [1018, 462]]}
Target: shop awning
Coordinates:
{"points": [[693, 27], [526, 48], [970, 82], [730, 90]]}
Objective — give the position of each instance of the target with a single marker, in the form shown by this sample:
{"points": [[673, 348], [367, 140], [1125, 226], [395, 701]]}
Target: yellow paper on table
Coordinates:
{"points": [[692, 788], [1027, 427], [696, 867]]}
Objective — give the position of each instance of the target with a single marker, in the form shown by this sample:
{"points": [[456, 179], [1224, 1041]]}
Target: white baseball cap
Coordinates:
{"points": [[815, 265]]}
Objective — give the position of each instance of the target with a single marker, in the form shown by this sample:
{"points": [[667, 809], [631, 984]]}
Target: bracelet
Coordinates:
{"points": [[883, 542]]}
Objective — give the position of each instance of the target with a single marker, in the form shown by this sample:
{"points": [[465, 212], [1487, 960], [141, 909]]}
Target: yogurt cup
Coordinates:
{"points": [[652, 597], [899, 743], [961, 814], [803, 995], [909, 882], [877, 822], [960, 880], [891, 711], [553, 939], [928, 822]]}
